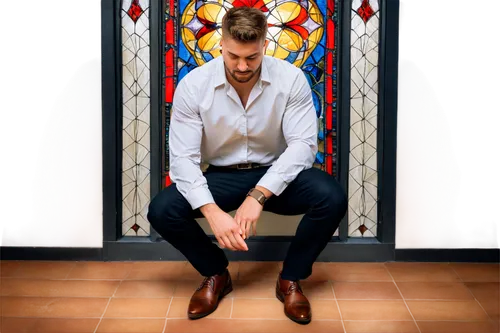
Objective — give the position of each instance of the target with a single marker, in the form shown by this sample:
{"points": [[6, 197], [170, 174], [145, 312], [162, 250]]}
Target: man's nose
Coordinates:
{"points": [[242, 66]]}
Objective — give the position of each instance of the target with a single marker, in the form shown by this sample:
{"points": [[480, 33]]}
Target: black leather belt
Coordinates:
{"points": [[241, 166]]}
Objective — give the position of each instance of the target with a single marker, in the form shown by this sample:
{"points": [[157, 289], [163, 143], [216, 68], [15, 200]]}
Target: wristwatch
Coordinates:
{"points": [[257, 195]]}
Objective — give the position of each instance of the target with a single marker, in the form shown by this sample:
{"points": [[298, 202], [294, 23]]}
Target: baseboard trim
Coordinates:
{"points": [[448, 255], [259, 250]]}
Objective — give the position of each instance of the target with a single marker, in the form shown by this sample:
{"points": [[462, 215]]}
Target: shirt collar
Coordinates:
{"points": [[220, 72], [264, 74]]}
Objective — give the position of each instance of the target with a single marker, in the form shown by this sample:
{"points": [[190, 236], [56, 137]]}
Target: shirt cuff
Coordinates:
{"points": [[199, 196], [273, 183]]}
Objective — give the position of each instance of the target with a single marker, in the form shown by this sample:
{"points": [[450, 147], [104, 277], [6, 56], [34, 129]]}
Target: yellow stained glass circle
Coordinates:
{"points": [[295, 28]]}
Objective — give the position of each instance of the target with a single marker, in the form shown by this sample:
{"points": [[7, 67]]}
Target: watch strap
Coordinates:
{"points": [[257, 195]]}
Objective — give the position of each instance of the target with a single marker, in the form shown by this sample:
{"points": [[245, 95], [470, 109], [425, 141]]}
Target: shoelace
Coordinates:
{"points": [[294, 287], [207, 282]]}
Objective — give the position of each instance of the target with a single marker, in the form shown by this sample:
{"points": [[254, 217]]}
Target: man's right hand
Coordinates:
{"points": [[226, 230]]}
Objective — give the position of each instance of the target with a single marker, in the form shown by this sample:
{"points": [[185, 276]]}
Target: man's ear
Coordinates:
{"points": [[266, 43]]}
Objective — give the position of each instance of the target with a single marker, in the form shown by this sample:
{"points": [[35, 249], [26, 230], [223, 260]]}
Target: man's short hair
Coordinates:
{"points": [[244, 24]]}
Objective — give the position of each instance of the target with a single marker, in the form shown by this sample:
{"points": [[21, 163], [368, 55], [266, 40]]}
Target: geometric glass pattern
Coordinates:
{"points": [[136, 117], [363, 177], [302, 32]]}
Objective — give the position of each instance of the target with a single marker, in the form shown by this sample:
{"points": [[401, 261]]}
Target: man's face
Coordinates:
{"points": [[242, 60]]}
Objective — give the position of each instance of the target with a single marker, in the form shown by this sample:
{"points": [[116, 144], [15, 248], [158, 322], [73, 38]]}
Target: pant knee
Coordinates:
{"points": [[334, 200], [157, 212], [166, 207], [339, 203]]}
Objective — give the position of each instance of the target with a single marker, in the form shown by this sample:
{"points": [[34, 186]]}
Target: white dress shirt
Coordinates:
{"points": [[209, 124]]}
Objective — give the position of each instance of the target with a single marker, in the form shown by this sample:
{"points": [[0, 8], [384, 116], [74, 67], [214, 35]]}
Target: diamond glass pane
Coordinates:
{"points": [[363, 178], [301, 32], [136, 117]]}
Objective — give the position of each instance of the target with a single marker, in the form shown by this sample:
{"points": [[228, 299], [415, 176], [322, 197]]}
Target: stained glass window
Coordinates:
{"points": [[136, 117], [363, 177], [303, 32], [300, 31]]}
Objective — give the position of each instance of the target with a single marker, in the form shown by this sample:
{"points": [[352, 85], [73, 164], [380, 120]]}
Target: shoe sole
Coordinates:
{"points": [[226, 291], [298, 321]]}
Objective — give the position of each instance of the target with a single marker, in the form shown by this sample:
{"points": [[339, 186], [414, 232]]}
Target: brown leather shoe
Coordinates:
{"points": [[208, 295], [297, 307]]}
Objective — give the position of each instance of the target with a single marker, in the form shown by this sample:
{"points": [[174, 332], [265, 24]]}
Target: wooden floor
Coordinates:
{"points": [[153, 297]]}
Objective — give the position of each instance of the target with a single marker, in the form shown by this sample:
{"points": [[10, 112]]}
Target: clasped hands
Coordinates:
{"points": [[229, 232]]}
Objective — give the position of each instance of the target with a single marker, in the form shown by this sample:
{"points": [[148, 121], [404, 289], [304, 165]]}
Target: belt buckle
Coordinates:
{"points": [[244, 166]]}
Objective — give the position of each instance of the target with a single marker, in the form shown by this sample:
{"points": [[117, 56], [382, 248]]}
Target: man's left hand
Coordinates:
{"points": [[247, 216]]}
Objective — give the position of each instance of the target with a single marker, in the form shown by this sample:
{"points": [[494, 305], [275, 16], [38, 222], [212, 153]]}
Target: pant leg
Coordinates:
{"points": [[323, 201], [173, 218]]}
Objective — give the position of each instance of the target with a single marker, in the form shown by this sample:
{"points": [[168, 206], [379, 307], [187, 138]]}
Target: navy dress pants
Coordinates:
{"points": [[313, 193]]}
